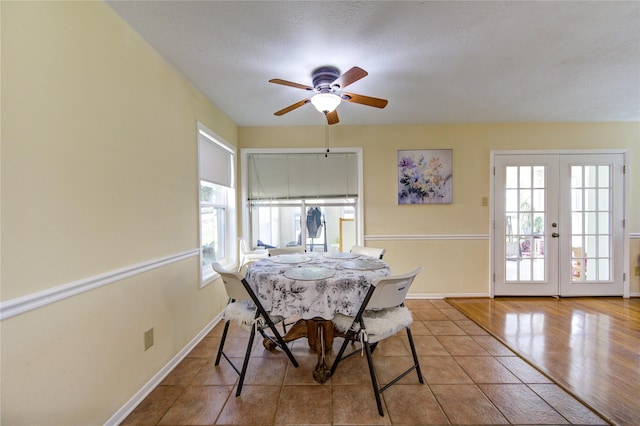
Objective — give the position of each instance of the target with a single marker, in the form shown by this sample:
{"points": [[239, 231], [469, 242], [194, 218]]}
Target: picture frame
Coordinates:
{"points": [[425, 176]]}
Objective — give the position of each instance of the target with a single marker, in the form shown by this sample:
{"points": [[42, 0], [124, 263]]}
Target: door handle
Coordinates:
{"points": [[555, 235]]}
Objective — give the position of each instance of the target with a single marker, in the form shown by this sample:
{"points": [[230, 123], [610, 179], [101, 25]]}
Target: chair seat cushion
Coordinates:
{"points": [[243, 313], [379, 324]]}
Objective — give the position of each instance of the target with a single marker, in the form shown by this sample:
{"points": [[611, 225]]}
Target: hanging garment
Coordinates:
{"points": [[314, 222]]}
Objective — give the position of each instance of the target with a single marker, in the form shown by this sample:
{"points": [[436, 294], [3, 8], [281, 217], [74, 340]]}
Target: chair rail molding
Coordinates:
{"points": [[20, 305], [427, 237]]}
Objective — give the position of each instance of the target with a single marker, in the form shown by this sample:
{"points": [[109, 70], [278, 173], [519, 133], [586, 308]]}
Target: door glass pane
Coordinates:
{"points": [[603, 222], [577, 262], [525, 213], [590, 241], [576, 199], [576, 223], [511, 177], [538, 270], [538, 200], [590, 199], [525, 223], [590, 273], [525, 176], [603, 199], [576, 177], [511, 200], [590, 176], [591, 237], [538, 177], [603, 246], [603, 177], [511, 273], [603, 269], [538, 223], [590, 222], [576, 241]]}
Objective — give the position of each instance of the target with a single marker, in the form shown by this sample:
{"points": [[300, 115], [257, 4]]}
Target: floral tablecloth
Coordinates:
{"points": [[341, 285]]}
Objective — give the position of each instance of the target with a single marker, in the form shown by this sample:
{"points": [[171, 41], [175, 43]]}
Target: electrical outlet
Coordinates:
{"points": [[637, 271], [148, 338]]}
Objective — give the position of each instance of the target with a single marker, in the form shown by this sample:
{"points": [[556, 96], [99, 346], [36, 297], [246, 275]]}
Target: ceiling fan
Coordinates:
{"points": [[327, 86]]}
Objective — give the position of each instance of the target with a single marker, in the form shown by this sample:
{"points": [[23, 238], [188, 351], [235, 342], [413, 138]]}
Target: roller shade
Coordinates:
{"points": [[215, 163], [302, 176]]}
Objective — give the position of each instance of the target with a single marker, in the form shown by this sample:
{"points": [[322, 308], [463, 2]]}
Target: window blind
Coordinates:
{"points": [[215, 163], [302, 176]]}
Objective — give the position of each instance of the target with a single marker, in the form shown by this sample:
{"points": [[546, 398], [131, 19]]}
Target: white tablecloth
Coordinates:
{"points": [[342, 293]]}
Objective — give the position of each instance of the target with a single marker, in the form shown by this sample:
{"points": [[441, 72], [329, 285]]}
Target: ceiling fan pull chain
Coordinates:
{"points": [[326, 138]]}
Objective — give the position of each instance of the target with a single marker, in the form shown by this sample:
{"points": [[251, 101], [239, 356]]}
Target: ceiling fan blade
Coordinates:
{"points": [[290, 83], [332, 117], [292, 107], [349, 77], [364, 100]]}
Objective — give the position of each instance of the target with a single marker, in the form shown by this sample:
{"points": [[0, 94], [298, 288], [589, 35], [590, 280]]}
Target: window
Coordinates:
{"points": [[281, 187], [213, 205], [286, 223], [216, 160]]}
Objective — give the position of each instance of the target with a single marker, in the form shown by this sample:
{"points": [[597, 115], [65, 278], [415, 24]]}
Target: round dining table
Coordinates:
{"points": [[312, 287]]}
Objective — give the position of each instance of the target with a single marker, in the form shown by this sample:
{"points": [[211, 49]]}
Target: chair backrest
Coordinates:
{"points": [[390, 291], [232, 283], [286, 250], [244, 249], [243, 246], [368, 251]]}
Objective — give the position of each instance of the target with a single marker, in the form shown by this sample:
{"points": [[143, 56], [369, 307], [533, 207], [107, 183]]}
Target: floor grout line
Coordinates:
{"points": [[389, 409]]}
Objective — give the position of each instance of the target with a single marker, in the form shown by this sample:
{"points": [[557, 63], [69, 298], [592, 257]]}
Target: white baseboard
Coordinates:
{"points": [[444, 296], [139, 396], [464, 295]]}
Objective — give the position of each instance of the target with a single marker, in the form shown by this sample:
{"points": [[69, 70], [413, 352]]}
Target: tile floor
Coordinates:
{"points": [[470, 378]]}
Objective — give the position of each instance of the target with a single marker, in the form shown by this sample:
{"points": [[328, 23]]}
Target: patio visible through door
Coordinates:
{"points": [[558, 225]]}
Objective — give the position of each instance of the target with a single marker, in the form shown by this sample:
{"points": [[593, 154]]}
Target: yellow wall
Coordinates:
{"points": [[452, 266], [99, 174]]}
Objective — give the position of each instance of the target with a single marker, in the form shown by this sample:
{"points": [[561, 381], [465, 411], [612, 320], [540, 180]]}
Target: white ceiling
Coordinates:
{"points": [[436, 62]]}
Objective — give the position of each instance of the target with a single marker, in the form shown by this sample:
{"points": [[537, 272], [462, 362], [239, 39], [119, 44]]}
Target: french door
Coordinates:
{"points": [[558, 225]]}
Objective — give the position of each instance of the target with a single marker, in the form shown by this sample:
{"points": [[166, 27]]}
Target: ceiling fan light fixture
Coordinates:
{"points": [[325, 102]]}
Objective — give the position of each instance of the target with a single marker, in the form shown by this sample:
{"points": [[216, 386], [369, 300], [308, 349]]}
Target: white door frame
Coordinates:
{"points": [[492, 228]]}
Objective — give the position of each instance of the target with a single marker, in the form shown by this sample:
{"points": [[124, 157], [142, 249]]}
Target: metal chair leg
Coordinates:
{"points": [[246, 361], [415, 355], [347, 338], [374, 380], [224, 337]]}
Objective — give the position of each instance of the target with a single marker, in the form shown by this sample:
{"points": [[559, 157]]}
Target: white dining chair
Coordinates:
{"points": [[368, 251], [381, 315], [245, 309], [286, 250], [248, 256]]}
